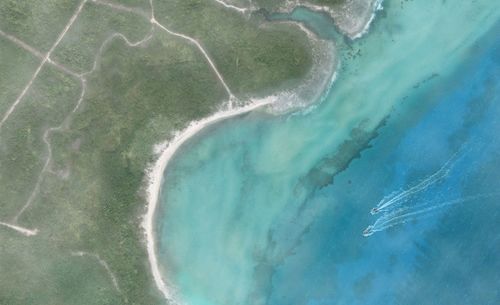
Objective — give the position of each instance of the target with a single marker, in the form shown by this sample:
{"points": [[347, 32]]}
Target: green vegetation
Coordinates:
{"points": [[144, 4], [16, 67], [96, 23], [22, 153], [90, 198], [270, 5], [136, 97], [38, 23], [37, 271], [252, 57]]}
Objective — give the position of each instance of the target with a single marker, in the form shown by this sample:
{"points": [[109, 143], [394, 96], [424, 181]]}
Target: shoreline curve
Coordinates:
{"points": [[155, 173]]}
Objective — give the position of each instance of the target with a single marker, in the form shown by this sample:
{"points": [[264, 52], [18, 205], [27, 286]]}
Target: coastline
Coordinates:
{"points": [[318, 80], [345, 23], [154, 174], [154, 177], [376, 6]]}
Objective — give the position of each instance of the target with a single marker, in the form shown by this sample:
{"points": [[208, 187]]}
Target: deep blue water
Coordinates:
{"points": [[451, 256], [270, 210]]}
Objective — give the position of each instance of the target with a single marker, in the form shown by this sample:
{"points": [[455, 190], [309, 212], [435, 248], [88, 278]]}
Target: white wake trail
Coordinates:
{"points": [[396, 218], [403, 196], [383, 224]]}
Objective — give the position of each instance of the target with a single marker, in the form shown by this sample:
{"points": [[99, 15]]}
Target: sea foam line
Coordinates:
{"points": [[377, 6], [155, 179]]}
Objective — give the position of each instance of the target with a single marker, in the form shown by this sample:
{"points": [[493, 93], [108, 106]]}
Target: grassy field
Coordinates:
{"points": [[23, 152], [96, 23], [253, 57], [36, 22], [89, 197], [16, 67]]}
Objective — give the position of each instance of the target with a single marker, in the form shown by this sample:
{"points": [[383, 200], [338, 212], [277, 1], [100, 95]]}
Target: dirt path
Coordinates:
{"points": [[45, 59], [233, 7], [103, 264], [24, 231]]}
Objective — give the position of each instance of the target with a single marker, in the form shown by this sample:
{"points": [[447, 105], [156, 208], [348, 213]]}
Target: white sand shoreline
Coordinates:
{"points": [[167, 151], [278, 103], [155, 179]]}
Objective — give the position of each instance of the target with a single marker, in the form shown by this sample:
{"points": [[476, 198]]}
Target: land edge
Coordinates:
{"points": [[310, 91], [165, 151], [155, 175], [353, 34]]}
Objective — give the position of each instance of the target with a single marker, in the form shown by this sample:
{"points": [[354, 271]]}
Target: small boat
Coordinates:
{"points": [[368, 231]]}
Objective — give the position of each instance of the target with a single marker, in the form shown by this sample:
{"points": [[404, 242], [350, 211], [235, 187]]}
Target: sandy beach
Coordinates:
{"points": [[155, 179], [166, 152]]}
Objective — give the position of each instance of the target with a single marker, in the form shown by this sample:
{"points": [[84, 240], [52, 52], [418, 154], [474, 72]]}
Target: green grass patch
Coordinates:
{"points": [[49, 100], [54, 277], [16, 68], [38, 23], [92, 199], [253, 56], [136, 97], [95, 24], [143, 4]]}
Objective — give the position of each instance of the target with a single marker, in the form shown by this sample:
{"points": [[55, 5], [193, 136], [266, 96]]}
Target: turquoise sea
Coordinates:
{"points": [[265, 209]]}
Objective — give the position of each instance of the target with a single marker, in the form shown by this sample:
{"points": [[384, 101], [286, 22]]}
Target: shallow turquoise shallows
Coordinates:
{"points": [[265, 209]]}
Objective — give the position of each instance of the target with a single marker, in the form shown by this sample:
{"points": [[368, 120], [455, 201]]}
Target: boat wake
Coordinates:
{"points": [[397, 198], [400, 207], [405, 215]]}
